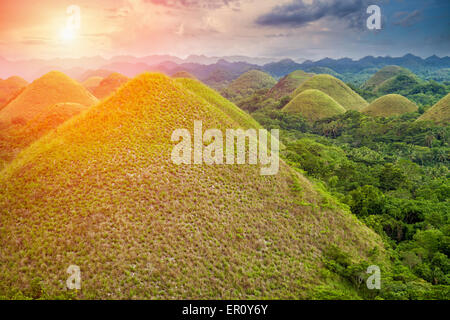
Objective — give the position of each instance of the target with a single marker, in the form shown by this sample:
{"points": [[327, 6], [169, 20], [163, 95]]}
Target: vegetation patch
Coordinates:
{"points": [[10, 88], [109, 85], [102, 193], [54, 87], [247, 84], [314, 105], [439, 113], [390, 105], [384, 74], [287, 85], [336, 89]]}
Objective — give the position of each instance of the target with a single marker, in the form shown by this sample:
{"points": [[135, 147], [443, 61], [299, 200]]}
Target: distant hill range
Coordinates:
{"points": [[215, 69], [344, 65]]}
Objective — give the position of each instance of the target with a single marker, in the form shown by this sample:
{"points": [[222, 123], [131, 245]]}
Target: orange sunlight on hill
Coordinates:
{"points": [[53, 87]]}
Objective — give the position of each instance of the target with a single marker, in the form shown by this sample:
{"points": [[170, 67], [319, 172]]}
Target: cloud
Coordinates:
{"points": [[407, 19], [302, 12], [204, 4]]}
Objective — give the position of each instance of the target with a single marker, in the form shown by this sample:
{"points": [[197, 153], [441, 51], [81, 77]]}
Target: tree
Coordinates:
{"points": [[366, 201], [391, 177]]}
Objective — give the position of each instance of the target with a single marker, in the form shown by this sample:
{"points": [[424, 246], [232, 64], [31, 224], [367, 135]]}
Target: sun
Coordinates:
{"points": [[67, 35]]}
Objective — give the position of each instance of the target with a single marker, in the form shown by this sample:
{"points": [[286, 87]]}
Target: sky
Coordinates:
{"points": [[297, 29]]}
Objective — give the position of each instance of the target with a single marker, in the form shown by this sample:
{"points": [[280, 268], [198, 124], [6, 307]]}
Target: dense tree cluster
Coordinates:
{"points": [[393, 175]]}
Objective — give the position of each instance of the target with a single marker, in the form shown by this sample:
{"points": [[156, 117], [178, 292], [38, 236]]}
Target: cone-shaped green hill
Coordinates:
{"points": [[336, 89], [288, 84], [439, 113], [14, 138], [390, 105], [109, 84], [54, 87], [314, 105], [248, 83], [102, 193], [384, 74]]}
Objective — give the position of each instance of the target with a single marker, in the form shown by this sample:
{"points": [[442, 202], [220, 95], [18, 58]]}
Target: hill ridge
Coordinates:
{"points": [[190, 231], [314, 105], [390, 105], [53, 87], [336, 89], [439, 113], [287, 85]]}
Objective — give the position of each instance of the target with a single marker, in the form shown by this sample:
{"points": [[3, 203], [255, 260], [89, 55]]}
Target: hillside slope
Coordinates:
{"points": [[49, 119], [215, 99], [15, 138], [390, 105], [397, 84], [54, 87], [439, 113], [92, 82], [384, 74], [314, 105], [288, 84], [248, 83], [109, 84], [183, 74], [336, 89], [102, 193], [10, 88]]}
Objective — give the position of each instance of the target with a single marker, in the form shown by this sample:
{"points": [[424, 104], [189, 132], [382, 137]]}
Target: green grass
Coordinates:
{"points": [[16, 137], [54, 87], [314, 105], [287, 85], [214, 98], [390, 105], [398, 84], [336, 89], [248, 83], [323, 70], [101, 192], [439, 113], [384, 74]]}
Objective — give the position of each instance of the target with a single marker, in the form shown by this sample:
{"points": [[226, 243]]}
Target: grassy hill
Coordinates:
{"points": [[383, 75], [214, 98], [16, 137], [323, 70], [398, 84], [336, 89], [439, 113], [10, 88], [247, 84], [219, 78], [314, 105], [54, 87], [183, 74], [92, 82], [102, 193], [108, 85], [390, 105], [95, 73], [49, 119], [288, 84]]}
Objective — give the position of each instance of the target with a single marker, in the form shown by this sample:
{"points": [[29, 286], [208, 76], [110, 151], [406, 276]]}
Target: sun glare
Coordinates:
{"points": [[67, 35]]}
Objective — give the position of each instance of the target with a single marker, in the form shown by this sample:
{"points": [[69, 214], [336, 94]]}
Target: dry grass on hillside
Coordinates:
{"points": [[101, 192]]}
